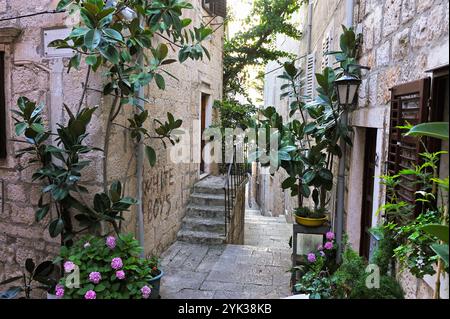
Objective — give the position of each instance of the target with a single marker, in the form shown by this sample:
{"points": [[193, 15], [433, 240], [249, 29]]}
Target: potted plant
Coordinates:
{"points": [[42, 277], [157, 274], [105, 268], [310, 218]]}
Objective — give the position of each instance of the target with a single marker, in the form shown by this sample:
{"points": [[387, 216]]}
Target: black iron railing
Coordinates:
{"points": [[236, 174]]}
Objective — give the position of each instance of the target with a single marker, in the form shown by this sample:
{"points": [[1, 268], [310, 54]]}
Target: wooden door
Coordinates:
{"points": [[368, 185]]}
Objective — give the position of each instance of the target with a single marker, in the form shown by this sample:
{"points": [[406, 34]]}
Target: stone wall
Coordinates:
{"points": [[166, 186], [401, 40]]}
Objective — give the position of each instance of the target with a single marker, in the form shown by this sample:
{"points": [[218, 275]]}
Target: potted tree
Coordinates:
{"points": [[310, 141]]}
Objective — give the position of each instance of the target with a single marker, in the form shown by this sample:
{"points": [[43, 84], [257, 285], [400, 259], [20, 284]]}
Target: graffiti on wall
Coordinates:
{"points": [[157, 194]]}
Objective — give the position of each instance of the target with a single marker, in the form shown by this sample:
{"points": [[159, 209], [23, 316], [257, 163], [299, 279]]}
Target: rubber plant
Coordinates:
{"points": [[112, 36], [309, 141]]}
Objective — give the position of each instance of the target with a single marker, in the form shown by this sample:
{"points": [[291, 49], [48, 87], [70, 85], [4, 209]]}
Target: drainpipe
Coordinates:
{"points": [[339, 223], [310, 10], [140, 164]]}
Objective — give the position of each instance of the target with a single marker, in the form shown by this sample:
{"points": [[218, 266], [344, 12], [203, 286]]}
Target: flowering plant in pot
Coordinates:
{"points": [[105, 268], [316, 273], [157, 274]]}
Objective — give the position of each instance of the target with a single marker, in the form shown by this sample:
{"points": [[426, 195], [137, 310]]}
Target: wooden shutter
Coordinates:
{"points": [[309, 77], [326, 47], [409, 104], [2, 107]]}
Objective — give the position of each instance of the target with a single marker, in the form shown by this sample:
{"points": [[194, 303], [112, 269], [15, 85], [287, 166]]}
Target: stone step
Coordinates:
{"points": [[216, 190], [207, 199], [214, 225], [200, 237], [203, 211], [266, 220]]}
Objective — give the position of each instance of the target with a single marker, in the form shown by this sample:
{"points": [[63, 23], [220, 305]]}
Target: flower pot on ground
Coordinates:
{"points": [[157, 274], [310, 218]]}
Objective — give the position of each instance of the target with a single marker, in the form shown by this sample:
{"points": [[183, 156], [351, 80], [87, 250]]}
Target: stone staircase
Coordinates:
{"points": [[204, 222]]}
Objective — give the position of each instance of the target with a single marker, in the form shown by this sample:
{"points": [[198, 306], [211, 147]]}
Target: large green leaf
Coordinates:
{"points": [[151, 155], [433, 129], [92, 39], [29, 265], [160, 82], [441, 251], [439, 231], [56, 227], [62, 4], [20, 128]]}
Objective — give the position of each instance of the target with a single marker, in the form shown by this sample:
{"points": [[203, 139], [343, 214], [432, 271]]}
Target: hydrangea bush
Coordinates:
{"points": [[109, 268]]}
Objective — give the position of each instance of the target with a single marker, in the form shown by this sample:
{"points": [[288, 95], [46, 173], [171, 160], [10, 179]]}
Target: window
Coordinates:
{"points": [[2, 107], [409, 103], [215, 7]]}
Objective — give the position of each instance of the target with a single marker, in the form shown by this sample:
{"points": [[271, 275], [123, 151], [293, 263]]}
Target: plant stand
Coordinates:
{"points": [[300, 229]]}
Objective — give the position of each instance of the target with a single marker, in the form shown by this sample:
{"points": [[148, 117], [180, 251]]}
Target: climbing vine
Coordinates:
{"points": [[256, 44]]}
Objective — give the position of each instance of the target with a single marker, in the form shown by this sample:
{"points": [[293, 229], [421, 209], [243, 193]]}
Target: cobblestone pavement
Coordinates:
{"points": [[260, 270]]}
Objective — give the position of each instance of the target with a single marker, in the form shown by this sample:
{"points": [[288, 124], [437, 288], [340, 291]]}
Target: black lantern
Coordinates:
{"points": [[346, 87]]}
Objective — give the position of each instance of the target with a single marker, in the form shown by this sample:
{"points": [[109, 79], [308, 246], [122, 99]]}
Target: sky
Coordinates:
{"points": [[240, 9]]}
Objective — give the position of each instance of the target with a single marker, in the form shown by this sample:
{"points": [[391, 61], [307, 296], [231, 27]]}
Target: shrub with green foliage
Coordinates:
{"points": [[109, 268]]}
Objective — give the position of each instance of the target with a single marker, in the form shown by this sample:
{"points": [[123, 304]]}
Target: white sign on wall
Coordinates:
{"points": [[55, 34]]}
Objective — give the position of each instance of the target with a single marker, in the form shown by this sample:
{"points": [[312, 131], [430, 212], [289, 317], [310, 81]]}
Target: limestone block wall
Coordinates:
{"points": [[31, 73], [401, 40], [167, 186]]}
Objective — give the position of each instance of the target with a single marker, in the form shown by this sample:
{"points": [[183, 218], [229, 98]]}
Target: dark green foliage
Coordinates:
{"points": [[349, 280], [234, 114], [255, 46], [389, 289], [60, 171], [42, 277], [383, 254], [307, 146]]}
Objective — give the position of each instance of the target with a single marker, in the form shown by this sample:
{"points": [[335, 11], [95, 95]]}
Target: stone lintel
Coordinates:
{"points": [[9, 34]]}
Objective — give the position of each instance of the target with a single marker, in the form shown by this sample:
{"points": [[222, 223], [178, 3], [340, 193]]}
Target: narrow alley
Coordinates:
{"points": [[257, 269]]}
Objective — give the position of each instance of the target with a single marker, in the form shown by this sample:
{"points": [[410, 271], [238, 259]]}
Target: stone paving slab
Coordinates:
{"points": [[259, 269]]}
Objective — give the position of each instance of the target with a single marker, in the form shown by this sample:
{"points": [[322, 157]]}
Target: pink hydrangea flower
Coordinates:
{"points": [[59, 291], [111, 242], [146, 291], [328, 245], [120, 274], [90, 294], [95, 277], [311, 257], [116, 263], [329, 235], [69, 266]]}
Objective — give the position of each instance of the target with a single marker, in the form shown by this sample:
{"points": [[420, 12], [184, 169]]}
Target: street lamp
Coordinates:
{"points": [[346, 87]]}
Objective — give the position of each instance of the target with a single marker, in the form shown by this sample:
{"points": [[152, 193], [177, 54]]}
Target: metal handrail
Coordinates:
{"points": [[236, 175]]}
